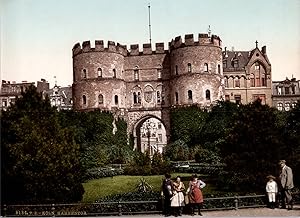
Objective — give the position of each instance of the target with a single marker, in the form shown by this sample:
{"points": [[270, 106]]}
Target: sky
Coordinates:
{"points": [[37, 36]]}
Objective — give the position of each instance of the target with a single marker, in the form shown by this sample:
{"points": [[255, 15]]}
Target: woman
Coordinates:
{"points": [[195, 194], [177, 201]]}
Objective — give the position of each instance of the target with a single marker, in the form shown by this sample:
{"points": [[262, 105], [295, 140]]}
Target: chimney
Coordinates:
{"points": [[264, 50]]}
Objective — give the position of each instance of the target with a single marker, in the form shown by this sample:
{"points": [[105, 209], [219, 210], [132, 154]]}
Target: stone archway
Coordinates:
{"points": [[150, 134]]}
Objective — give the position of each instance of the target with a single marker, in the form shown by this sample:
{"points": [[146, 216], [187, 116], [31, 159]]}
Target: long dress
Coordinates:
{"points": [[178, 198], [195, 193]]}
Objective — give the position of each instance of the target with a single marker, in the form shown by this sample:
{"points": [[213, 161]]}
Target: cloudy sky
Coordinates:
{"points": [[37, 36]]}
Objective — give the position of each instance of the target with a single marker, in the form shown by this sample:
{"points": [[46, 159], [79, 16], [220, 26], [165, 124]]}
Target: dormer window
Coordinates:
{"points": [[224, 64], [235, 63]]}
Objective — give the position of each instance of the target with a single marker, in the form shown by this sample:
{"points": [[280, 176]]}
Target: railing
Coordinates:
{"points": [[127, 208]]}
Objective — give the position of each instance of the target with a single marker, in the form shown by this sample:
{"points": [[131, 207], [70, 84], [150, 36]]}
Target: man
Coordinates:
{"points": [[167, 192], [286, 181]]}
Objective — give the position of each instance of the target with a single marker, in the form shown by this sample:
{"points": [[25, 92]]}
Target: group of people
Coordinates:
{"points": [[176, 196], [286, 185]]}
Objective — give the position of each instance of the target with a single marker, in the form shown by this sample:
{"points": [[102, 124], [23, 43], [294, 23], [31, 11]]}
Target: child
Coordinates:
{"points": [[271, 189]]}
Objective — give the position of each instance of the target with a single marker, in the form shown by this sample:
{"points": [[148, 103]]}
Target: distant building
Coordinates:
{"points": [[10, 91], [286, 93], [60, 97], [247, 76]]}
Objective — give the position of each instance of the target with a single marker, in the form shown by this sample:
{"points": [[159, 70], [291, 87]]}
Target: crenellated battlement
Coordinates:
{"points": [[99, 47], [203, 39]]}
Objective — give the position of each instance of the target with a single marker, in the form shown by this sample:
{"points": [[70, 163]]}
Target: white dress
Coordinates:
{"points": [[178, 198]]}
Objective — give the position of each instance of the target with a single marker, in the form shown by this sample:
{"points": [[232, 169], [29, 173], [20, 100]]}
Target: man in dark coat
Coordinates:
{"points": [[286, 181], [167, 192]]}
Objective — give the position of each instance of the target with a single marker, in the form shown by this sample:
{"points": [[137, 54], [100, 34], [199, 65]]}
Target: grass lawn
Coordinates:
{"points": [[98, 188]]}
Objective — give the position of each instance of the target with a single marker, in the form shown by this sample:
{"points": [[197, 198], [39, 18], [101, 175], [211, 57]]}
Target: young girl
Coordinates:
{"points": [[195, 194], [177, 201], [271, 189]]}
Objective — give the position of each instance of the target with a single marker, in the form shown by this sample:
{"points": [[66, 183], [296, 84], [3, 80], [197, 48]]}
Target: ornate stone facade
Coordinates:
{"points": [[247, 76], [140, 85]]}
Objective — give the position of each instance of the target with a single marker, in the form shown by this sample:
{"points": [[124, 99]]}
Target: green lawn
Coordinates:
{"points": [[98, 188]]}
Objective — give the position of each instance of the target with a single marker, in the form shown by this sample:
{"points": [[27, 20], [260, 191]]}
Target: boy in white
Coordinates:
{"points": [[271, 189]]}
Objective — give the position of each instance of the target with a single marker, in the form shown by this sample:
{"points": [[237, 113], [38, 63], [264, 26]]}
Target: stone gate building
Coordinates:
{"points": [[139, 85]]}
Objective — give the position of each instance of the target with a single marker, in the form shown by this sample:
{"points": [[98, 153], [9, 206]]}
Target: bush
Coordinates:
{"points": [[207, 156], [177, 151], [142, 165], [101, 172]]}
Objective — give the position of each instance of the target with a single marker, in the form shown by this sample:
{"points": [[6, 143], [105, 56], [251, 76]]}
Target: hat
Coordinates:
{"points": [[281, 161], [271, 177]]}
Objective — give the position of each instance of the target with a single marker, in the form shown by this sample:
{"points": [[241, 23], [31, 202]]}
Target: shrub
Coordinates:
{"points": [[101, 172]]}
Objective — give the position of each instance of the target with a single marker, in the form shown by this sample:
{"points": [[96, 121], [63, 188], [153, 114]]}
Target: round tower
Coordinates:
{"points": [[196, 70], [98, 76]]}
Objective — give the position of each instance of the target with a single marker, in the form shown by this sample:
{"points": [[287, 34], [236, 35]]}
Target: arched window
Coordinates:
{"points": [[257, 83], [139, 99], [190, 95], [116, 100], [99, 72], [237, 82], [252, 80], [189, 68], [136, 73], [176, 97], [279, 106], [226, 82], [84, 75], [219, 69], [205, 67], [114, 73], [84, 100], [158, 96], [256, 66], [263, 80], [207, 95], [100, 99], [287, 106], [176, 70], [135, 98], [159, 73]]}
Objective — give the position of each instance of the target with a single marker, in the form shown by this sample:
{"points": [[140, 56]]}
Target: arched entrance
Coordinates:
{"points": [[149, 134]]}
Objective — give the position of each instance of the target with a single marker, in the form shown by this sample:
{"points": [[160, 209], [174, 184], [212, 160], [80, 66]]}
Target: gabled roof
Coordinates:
{"points": [[243, 58]]}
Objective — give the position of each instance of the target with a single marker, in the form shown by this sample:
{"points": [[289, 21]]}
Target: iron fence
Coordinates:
{"points": [[127, 207]]}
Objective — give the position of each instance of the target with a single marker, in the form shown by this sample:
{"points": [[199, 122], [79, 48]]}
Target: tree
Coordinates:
{"points": [[291, 149], [252, 148], [39, 158]]}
